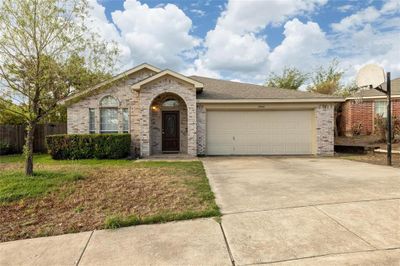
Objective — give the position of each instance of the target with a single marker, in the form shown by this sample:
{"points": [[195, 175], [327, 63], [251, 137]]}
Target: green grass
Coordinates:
{"points": [[46, 159], [117, 221], [14, 185]]}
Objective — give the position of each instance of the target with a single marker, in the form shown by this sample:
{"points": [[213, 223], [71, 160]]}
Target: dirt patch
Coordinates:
{"points": [[84, 204], [365, 141], [373, 158]]}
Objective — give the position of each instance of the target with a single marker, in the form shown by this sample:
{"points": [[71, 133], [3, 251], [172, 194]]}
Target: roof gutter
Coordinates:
{"points": [[372, 97], [321, 100]]}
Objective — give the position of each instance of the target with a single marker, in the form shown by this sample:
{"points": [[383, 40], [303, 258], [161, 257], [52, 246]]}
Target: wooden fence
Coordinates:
{"points": [[14, 135]]}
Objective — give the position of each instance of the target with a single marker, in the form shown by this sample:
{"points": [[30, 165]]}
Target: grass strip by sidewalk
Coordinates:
{"points": [[114, 222]]}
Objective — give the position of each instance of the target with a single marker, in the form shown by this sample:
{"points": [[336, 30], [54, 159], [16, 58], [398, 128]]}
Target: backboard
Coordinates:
{"points": [[370, 76]]}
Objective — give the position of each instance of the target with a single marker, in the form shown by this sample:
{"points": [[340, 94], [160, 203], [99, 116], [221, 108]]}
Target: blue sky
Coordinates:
{"points": [[203, 22], [246, 40]]}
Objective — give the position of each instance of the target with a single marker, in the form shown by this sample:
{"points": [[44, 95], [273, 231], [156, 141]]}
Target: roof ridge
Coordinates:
{"points": [[268, 87]]}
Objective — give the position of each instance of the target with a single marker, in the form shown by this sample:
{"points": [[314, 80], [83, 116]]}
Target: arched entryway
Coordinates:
{"points": [[168, 124]]}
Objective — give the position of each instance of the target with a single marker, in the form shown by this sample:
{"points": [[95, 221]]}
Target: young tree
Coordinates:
{"points": [[42, 45], [327, 80], [291, 78], [9, 117], [348, 89]]}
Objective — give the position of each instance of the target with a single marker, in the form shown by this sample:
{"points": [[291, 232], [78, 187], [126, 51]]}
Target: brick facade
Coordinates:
{"points": [[325, 128], [78, 113], [145, 124], [156, 122], [149, 93], [201, 129], [358, 117]]}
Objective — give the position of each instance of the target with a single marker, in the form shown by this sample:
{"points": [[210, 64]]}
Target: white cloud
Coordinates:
{"points": [[369, 36], [198, 12], [159, 35], [391, 6], [254, 15], [304, 45], [199, 69], [357, 19], [366, 46], [345, 8], [234, 52], [235, 46], [108, 31]]}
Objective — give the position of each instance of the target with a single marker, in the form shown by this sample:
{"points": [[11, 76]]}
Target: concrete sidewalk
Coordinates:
{"points": [[195, 242]]}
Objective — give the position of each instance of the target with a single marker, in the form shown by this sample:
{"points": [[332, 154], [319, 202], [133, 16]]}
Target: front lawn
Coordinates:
{"points": [[74, 196]]}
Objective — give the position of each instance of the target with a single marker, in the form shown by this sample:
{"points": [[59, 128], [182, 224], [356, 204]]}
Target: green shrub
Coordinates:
{"points": [[87, 146], [5, 148]]}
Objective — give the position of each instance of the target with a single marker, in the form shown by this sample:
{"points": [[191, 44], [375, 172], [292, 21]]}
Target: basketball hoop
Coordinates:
{"points": [[373, 76], [370, 76]]}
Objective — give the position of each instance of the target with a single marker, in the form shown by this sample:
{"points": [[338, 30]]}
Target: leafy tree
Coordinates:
{"points": [[327, 80], [46, 54], [291, 78], [347, 90], [8, 115]]}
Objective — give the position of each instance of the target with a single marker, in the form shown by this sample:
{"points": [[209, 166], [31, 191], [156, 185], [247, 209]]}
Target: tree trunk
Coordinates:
{"points": [[28, 149]]}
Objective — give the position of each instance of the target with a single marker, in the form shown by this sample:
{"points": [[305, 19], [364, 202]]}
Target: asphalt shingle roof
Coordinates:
{"points": [[224, 89], [373, 92]]}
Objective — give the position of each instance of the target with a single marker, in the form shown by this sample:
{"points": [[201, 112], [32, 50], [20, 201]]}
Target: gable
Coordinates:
{"points": [[128, 77], [168, 73]]}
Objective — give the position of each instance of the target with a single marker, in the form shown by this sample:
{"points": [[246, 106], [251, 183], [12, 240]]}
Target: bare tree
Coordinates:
{"points": [[42, 44]]}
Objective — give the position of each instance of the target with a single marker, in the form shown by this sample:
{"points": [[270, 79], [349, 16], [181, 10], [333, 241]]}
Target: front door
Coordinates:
{"points": [[170, 131]]}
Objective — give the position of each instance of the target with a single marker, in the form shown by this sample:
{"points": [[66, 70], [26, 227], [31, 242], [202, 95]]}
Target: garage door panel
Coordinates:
{"points": [[259, 132], [221, 150]]}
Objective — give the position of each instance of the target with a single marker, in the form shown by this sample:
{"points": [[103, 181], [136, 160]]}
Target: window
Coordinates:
{"points": [[125, 120], [92, 120], [170, 103], [108, 120], [109, 101], [381, 108], [109, 115]]}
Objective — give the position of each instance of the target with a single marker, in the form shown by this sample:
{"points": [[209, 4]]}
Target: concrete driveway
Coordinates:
{"points": [[307, 211]]}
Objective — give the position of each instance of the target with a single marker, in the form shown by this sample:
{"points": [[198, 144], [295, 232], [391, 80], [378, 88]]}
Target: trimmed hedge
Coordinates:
{"points": [[87, 146]]}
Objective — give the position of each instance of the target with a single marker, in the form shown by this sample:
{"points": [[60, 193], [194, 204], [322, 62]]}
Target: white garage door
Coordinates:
{"points": [[259, 132]]}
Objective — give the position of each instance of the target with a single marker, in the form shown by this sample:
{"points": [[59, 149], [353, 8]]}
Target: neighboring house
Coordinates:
{"points": [[166, 112], [359, 111]]}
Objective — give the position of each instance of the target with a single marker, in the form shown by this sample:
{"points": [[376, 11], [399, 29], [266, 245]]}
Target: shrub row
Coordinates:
{"points": [[86, 146]]}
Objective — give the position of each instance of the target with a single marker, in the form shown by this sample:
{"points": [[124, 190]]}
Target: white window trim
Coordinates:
{"points": [[92, 131], [102, 131], [129, 124], [384, 108]]}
